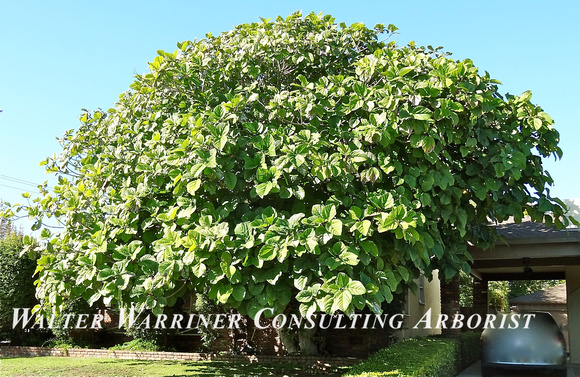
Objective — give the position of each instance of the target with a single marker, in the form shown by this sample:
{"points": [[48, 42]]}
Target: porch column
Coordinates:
{"points": [[450, 305], [480, 298], [573, 293]]}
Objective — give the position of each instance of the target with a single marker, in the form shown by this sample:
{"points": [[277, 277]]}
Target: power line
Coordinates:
{"points": [[17, 188], [20, 182]]}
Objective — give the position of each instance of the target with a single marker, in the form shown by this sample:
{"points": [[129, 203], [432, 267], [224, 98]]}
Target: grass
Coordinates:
{"points": [[99, 367]]}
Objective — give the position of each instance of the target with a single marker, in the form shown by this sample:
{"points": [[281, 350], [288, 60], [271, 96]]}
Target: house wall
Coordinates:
{"points": [[415, 310], [573, 293]]}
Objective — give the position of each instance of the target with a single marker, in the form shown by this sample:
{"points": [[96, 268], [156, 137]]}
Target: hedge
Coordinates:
{"points": [[469, 348], [422, 357]]}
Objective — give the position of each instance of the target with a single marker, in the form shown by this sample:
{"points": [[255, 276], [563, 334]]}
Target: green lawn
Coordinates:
{"points": [[93, 367]]}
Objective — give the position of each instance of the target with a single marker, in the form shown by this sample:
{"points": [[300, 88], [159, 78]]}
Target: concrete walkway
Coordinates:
{"points": [[475, 371]]}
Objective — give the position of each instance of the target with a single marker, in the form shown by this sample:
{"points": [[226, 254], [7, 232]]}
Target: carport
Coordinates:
{"points": [[531, 251]]}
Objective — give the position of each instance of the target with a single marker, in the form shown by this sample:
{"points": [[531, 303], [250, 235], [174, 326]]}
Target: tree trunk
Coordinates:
{"points": [[306, 342], [288, 338]]}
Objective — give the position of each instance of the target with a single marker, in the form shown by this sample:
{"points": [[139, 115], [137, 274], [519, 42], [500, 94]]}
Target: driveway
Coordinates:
{"points": [[475, 371]]}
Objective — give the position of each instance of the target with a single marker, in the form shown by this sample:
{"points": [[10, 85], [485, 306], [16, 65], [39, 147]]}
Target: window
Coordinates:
{"points": [[406, 306], [422, 289]]}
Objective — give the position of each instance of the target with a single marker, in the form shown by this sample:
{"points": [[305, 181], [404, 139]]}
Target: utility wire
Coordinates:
{"points": [[20, 182], [17, 188]]}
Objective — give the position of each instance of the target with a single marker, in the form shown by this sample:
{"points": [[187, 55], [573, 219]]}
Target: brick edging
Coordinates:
{"points": [[21, 351]]}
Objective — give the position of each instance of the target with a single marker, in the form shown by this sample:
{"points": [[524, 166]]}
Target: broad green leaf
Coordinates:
{"points": [[301, 282], [335, 227], [349, 258], [526, 96], [428, 144], [370, 247], [342, 301], [356, 288], [239, 292], [263, 189], [294, 220], [149, 266], [405, 70], [231, 181], [342, 280], [188, 258], [224, 293], [363, 227], [104, 274], [166, 267], [421, 113], [193, 186], [199, 269], [243, 230], [360, 89], [328, 212], [307, 309], [255, 288], [267, 252], [403, 272], [304, 296]]}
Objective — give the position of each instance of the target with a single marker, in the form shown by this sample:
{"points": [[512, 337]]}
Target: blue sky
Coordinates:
{"points": [[61, 56]]}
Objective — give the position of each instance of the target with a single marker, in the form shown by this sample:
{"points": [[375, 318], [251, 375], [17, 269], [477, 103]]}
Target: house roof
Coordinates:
{"points": [[527, 229], [548, 296], [529, 251], [530, 232]]}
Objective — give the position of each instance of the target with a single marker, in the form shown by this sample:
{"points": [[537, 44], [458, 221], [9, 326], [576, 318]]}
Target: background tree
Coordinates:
{"points": [[501, 292], [295, 164], [498, 296], [17, 288], [5, 224], [465, 290], [524, 287]]}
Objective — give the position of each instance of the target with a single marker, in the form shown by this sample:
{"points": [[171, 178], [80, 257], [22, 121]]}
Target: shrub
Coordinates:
{"points": [[65, 335], [138, 344], [469, 348], [424, 357], [205, 306], [16, 288], [150, 337]]}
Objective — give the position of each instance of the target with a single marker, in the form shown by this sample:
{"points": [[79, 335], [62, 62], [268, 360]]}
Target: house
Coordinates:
{"points": [[552, 300], [528, 251], [417, 305]]}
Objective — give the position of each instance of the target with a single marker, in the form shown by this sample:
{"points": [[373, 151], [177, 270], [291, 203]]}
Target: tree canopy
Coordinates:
{"points": [[291, 164]]}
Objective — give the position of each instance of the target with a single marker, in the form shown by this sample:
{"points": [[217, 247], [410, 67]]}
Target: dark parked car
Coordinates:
{"points": [[541, 346]]}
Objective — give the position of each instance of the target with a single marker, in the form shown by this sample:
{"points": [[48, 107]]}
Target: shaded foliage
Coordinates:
{"points": [[64, 326], [17, 288], [524, 287]]}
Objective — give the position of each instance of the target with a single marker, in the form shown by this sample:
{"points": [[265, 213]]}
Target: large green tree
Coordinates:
{"points": [[294, 164]]}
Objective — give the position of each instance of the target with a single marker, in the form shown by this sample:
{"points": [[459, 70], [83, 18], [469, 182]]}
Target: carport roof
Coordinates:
{"points": [[531, 232], [528, 229], [528, 251]]}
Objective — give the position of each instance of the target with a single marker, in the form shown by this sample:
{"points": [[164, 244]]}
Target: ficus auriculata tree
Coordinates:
{"points": [[295, 164]]}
